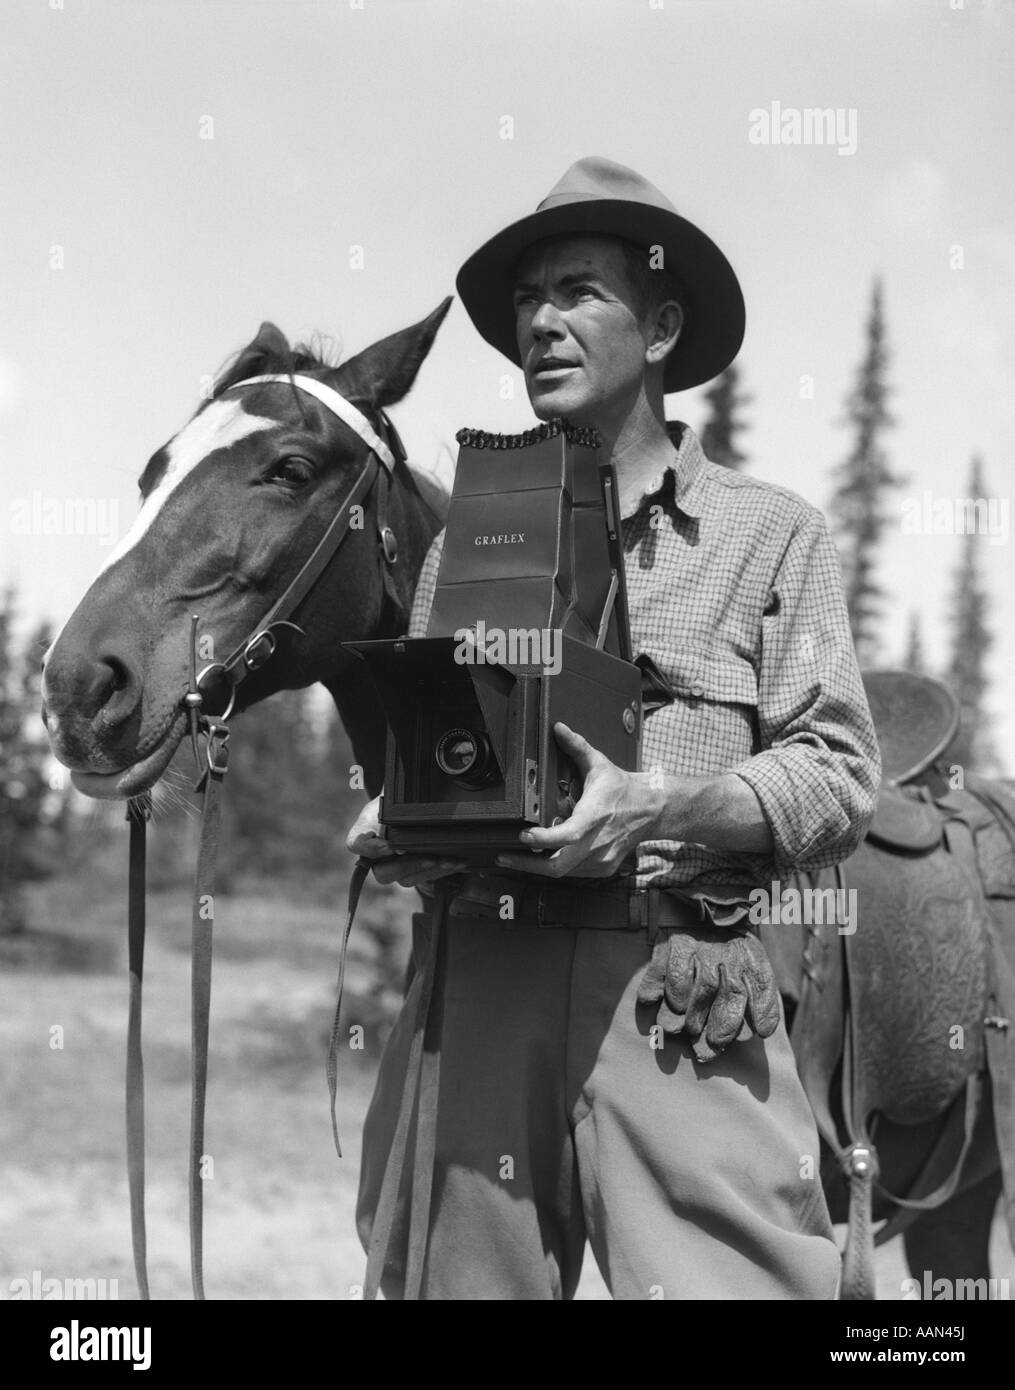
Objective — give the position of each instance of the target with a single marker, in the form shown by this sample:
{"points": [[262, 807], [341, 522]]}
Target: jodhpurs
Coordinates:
{"points": [[564, 1115]]}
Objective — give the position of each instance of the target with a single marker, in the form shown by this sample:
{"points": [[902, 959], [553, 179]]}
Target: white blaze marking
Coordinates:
{"points": [[217, 427]]}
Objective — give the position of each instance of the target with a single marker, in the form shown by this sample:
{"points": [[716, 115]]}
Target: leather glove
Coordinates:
{"points": [[714, 985]]}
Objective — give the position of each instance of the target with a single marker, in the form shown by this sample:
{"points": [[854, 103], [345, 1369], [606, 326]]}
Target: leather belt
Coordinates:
{"points": [[527, 902]]}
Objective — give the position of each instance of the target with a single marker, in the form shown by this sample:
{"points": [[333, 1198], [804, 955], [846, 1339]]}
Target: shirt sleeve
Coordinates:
{"points": [[819, 768], [426, 587]]}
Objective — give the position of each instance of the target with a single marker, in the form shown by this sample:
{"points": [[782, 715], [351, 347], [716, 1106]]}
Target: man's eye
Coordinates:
{"points": [[581, 290], [293, 472]]}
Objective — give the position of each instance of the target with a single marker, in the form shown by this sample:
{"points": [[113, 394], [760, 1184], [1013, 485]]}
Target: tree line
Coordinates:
{"points": [[292, 784], [861, 512]]}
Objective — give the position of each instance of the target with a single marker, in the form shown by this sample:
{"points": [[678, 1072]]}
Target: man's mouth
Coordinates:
{"points": [[552, 367]]}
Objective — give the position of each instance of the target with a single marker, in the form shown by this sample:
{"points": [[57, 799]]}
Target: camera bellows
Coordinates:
{"points": [[526, 546], [586, 435]]}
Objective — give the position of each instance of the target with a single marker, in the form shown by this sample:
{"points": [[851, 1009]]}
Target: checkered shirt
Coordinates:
{"points": [[734, 591]]}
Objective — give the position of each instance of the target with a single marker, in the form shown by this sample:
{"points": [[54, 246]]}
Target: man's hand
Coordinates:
{"points": [[713, 985], [393, 865], [615, 812]]}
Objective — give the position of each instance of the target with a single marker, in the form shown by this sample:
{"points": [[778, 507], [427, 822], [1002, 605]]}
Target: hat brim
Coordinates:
{"points": [[714, 329]]}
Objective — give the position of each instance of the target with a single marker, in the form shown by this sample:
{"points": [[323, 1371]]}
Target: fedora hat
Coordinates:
{"points": [[598, 197]]}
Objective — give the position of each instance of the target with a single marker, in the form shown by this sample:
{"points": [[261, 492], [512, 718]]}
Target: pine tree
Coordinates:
{"points": [[971, 641], [863, 480], [283, 811], [718, 436], [915, 660], [11, 906], [23, 785], [34, 747]]}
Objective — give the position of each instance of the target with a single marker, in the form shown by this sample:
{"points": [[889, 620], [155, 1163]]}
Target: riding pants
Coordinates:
{"points": [[564, 1115]]}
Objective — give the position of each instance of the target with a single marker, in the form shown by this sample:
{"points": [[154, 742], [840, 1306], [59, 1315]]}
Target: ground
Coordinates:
{"points": [[279, 1209]]}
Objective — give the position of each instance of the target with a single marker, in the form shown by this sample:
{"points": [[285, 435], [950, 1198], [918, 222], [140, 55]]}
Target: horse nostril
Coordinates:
{"points": [[120, 673], [116, 689]]}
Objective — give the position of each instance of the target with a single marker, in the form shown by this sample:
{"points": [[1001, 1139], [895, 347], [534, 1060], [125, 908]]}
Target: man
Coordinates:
{"points": [[623, 1074]]}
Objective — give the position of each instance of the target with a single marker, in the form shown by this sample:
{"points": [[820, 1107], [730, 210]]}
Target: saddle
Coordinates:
{"points": [[915, 719], [890, 1023]]}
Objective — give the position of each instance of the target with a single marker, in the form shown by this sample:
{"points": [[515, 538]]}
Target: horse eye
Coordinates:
{"points": [[294, 471]]}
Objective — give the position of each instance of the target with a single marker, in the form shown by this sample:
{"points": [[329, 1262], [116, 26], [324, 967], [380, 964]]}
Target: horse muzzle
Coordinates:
{"points": [[139, 776], [93, 710]]}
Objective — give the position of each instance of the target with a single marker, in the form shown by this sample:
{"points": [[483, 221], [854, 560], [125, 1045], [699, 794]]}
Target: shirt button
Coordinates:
{"points": [[697, 690]]}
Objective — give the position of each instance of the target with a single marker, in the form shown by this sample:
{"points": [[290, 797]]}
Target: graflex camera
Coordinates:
{"points": [[528, 626]]}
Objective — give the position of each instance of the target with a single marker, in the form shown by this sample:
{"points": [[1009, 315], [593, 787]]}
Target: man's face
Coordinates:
{"points": [[579, 328]]}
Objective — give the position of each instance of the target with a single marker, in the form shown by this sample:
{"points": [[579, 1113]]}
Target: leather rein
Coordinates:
{"points": [[249, 655]]}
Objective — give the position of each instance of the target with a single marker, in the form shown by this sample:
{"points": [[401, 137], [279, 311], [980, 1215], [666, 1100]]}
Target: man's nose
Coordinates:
{"points": [[546, 322]]}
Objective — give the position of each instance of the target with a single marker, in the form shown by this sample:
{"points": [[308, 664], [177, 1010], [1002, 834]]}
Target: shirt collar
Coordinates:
{"points": [[684, 475]]}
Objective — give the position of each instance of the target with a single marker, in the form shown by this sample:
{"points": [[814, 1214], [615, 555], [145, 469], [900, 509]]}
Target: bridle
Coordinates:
{"points": [[249, 655], [380, 467]]}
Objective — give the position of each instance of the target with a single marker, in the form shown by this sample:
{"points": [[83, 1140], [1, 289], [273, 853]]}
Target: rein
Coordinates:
{"points": [[249, 655]]}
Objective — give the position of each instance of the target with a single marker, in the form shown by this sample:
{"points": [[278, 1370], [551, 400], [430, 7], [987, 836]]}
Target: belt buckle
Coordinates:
{"points": [[546, 914], [540, 906]]}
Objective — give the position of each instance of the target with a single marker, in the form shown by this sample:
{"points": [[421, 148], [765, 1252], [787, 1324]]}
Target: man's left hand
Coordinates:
{"points": [[615, 812]]}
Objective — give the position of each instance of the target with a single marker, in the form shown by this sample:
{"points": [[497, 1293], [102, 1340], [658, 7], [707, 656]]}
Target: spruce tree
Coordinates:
{"points": [[971, 640], [281, 813], [915, 660], [863, 480], [23, 753], [11, 908], [718, 436]]}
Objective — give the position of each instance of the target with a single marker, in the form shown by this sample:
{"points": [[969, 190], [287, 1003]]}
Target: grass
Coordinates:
{"points": [[279, 1212]]}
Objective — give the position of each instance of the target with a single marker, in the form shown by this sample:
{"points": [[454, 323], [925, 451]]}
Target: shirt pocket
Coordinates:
{"points": [[709, 725], [700, 673]]}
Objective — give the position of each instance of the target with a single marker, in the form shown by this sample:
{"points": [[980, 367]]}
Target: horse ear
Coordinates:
{"points": [[382, 374], [269, 345], [269, 341]]}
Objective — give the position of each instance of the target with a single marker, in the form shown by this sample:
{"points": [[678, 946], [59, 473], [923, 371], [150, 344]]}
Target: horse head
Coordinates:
{"points": [[232, 508]]}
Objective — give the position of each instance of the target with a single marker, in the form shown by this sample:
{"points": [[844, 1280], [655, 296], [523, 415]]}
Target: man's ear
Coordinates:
{"points": [[667, 324]]}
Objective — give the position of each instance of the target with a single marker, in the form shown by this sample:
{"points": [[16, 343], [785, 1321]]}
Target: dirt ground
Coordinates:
{"points": [[279, 1211]]}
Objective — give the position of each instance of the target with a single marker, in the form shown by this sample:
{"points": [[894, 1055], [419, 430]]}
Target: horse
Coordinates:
{"points": [[899, 1015], [233, 509]]}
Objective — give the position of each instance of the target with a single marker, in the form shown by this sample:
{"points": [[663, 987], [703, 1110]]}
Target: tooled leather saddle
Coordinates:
{"points": [[899, 1012]]}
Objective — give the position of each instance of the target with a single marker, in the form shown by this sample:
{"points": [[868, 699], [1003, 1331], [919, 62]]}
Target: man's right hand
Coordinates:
{"points": [[393, 865]]}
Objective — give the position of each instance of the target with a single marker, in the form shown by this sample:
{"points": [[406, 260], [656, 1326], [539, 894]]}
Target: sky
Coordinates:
{"points": [[174, 172]]}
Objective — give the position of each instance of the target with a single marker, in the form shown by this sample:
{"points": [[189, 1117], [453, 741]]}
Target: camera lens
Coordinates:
{"points": [[465, 756]]}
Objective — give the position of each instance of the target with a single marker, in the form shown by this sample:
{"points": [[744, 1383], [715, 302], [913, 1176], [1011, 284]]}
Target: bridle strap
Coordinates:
{"points": [[202, 922], [236, 665], [138, 811], [337, 404], [360, 873], [417, 1111]]}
